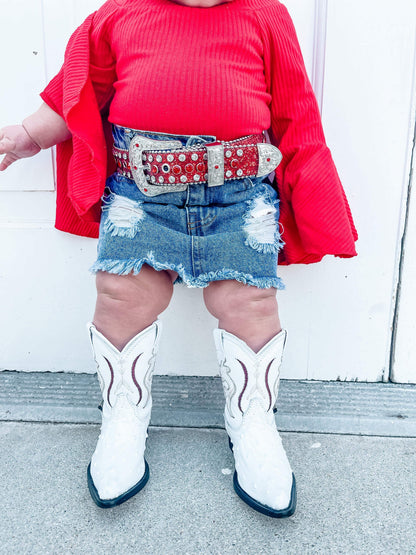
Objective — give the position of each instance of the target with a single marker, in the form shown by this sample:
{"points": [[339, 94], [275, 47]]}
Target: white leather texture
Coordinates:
{"points": [[251, 382], [125, 379]]}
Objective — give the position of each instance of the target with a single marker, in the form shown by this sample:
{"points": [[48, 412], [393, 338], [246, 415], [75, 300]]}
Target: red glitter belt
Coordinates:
{"points": [[160, 166]]}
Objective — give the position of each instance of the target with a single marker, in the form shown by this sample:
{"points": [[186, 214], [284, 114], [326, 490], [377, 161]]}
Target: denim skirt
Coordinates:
{"points": [[203, 233]]}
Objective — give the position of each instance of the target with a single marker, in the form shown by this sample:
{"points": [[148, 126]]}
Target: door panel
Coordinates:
{"points": [[338, 313]]}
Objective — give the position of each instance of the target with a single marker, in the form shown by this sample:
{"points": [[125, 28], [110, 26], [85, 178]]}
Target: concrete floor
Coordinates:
{"points": [[355, 495]]}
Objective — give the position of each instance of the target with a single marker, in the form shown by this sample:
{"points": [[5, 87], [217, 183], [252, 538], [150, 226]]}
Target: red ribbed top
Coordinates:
{"points": [[228, 71]]}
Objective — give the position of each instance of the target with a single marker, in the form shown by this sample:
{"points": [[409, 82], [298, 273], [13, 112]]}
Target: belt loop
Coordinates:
{"points": [[215, 164]]}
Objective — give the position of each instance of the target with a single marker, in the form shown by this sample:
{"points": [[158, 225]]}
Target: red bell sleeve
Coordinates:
{"points": [[82, 88], [314, 211]]}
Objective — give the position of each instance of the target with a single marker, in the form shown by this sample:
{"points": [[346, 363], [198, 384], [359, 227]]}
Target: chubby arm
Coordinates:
{"points": [[42, 129]]}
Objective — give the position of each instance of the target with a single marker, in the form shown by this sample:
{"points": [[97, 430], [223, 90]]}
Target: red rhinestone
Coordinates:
{"points": [[137, 144], [145, 190], [268, 159], [135, 167], [177, 170], [200, 167], [155, 169], [234, 163], [189, 168], [216, 167]]}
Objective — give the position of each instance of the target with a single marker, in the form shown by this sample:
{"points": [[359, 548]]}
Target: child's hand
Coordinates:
{"points": [[15, 143]]}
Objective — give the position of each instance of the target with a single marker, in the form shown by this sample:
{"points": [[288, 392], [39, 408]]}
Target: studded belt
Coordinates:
{"points": [[161, 166]]}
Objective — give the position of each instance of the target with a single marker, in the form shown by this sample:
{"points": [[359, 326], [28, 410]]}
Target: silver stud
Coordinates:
{"points": [[150, 158], [161, 179], [125, 156], [169, 157], [144, 157], [205, 157], [228, 153], [182, 157], [228, 173], [171, 179], [239, 152], [206, 177], [194, 157], [153, 179], [197, 177], [239, 172], [184, 178], [158, 158]]}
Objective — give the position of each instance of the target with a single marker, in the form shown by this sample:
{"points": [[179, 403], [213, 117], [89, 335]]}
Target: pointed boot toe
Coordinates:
{"points": [[108, 497]]}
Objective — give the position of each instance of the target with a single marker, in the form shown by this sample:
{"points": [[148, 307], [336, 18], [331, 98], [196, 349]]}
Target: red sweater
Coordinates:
{"points": [[228, 71]]}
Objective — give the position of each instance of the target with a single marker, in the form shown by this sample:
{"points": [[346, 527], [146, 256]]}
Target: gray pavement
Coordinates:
{"points": [[356, 495]]}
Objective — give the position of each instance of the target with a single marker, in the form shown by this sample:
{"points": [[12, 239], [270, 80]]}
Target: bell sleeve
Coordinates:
{"points": [[80, 94], [314, 211]]}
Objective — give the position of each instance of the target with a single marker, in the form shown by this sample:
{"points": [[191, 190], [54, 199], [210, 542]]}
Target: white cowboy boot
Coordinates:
{"points": [[263, 477], [118, 469]]}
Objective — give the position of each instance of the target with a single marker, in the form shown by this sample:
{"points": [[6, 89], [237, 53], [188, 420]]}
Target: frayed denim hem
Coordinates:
{"points": [[124, 267]]}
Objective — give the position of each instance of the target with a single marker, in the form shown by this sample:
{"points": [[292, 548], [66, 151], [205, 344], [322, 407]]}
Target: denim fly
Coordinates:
{"points": [[203, 233]]}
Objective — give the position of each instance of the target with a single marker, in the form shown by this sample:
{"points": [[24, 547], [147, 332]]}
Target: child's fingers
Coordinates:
{"points": [[6, 145], [7, 160]]}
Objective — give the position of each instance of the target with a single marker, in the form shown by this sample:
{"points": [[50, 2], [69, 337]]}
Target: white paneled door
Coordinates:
{"points": [[341, 315]]}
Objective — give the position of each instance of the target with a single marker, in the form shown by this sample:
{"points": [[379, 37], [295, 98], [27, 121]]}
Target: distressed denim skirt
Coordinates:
{"points": [[203, 233]]}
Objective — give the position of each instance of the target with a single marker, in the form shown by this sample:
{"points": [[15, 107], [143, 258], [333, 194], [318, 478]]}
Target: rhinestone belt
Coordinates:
{"points": [[160, 166]]}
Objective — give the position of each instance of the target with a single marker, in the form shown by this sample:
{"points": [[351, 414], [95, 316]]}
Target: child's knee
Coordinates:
{"points": [[228, 299], [149, 290]]}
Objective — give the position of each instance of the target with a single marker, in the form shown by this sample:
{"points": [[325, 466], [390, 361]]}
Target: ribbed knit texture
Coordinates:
{"points": [[228, 71]]}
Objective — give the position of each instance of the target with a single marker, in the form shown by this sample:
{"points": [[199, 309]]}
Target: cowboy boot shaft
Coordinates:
{"points": [[127, 373], [247, 375]]}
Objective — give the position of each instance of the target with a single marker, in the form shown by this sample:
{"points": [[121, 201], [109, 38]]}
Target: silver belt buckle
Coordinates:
{"points": [[137, 145]]}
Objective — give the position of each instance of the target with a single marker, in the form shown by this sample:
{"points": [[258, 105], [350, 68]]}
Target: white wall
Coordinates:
{"points": [[339, 313]]}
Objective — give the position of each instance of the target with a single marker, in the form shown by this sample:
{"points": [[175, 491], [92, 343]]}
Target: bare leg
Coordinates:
{"points": [[247, 312], [126, 305]]}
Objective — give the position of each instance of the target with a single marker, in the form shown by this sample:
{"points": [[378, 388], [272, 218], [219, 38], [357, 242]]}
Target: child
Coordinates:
{"points": [[190, 87]]}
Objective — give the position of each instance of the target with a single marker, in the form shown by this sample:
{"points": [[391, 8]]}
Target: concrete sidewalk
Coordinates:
{"points": [[355, 495]]}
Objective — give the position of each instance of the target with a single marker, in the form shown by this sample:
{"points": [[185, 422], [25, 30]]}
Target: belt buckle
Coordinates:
{"points": [[138, 144]]}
